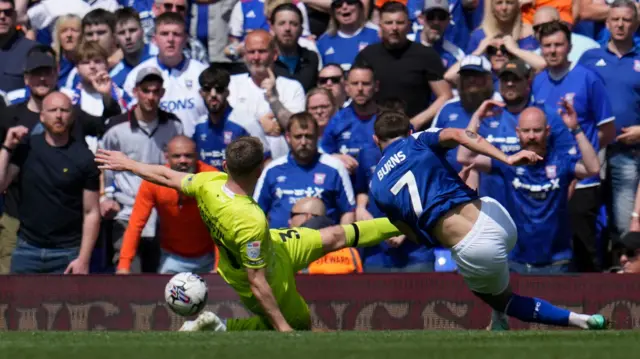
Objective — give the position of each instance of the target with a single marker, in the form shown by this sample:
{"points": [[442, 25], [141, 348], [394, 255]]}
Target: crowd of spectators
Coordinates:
{"points": [[174, 82]]}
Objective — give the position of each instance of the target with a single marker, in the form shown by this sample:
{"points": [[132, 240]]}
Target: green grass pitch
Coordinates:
{"points": [[356, 345]]}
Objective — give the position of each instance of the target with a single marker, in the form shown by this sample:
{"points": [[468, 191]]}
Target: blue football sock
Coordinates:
{"points": [[537, 310]]}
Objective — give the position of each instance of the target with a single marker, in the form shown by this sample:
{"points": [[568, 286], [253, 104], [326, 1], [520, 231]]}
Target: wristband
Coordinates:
{"points": [[10, 150], [576, 130]]}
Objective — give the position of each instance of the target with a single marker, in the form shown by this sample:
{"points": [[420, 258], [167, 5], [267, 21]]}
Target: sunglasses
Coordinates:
{"points": [[492, 50], [170, 7], [332, 79], [208, 88], [338, 3], [293, 214], [7, 12], [437, 15]]}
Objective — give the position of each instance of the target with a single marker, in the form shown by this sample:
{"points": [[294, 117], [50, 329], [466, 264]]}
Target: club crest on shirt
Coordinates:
{"points": [[227, 137], [318, 178], [636, 65], [253, 250], [551, 172]]}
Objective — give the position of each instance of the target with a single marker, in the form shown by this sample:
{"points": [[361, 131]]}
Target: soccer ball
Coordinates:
{"points": [[186, 294]]}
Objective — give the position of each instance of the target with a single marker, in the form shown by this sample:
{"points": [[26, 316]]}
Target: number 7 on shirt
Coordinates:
{"points": [[409, 180]]}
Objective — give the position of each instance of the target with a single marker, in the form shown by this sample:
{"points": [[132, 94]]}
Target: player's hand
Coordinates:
{"points": [[102, 83], [269, 86], [349, 162], [362, 214], [395, 242], [123, 271], [270, 127], [77, 266], [14, 136], [630, 135], [568, 113], [489, 108], [113, 160], [523, 158], [109, 208]]}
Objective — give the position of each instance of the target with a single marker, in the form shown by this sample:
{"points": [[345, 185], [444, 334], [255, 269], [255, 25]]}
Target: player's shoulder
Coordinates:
{"points": [[195, 67], [202, 124], [203, 181], [278, 163], [150, 62], [331, 162], [592, 53], [287, 84], [17, 96], [114, 124]]}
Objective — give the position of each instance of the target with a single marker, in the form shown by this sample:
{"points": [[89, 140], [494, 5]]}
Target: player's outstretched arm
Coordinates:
{"points": [[263, 293], [158, 174]]}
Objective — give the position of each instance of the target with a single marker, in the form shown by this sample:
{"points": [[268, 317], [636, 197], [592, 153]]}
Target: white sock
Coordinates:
{"points": [[579, 320]]}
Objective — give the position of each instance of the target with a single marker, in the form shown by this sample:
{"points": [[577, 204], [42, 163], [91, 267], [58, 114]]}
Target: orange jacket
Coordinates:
{"points": [[564, 7], [344, 261], [181, 230]]}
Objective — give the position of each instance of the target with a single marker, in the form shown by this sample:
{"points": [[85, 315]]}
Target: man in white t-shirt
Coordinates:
{"points": [[180, 74], [263, 95]]}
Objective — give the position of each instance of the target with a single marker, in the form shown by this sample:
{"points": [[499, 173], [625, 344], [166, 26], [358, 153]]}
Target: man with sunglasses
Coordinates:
{"points": [[331, 77], [435, 17], [143, 133], [305, 172], [194, 48], [223, 123], [579, 43], [13, 48], [629, 247]]}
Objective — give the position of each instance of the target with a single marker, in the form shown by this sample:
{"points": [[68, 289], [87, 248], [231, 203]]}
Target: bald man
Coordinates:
{"points": [[305, 209], [59, 181], [579, 43], [263, 95], [185, 243], [537, 195]]}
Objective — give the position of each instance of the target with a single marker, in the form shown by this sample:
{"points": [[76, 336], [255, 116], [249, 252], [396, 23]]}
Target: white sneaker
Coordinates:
{"points": [[205, 321]]}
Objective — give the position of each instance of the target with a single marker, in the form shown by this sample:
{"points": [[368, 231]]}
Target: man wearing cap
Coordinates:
{"points": [[436, 18], [587, 92], [629, 249], [14, 47], [475, 85], [142, 133]]}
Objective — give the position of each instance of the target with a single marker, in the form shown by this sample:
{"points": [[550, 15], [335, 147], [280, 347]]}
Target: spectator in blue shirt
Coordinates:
{"points": [[348, 33], [304, 173], [537, 195], [223, 123], [502, 17], [588, 95], [436, 17], [129, 37], [13, 48], [618, 64]]}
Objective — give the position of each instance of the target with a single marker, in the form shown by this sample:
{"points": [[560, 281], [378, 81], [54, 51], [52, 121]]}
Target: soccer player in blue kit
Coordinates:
{"points": [[424, 197]]}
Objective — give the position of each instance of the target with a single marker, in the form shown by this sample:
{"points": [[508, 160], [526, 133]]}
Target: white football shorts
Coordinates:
{"points": [[481, 256]]}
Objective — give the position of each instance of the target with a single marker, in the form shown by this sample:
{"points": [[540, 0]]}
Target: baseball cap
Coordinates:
{"points": [[630, 241], [516, 67], [146, 72], [475, 63], [436, 4], [39, 60]]}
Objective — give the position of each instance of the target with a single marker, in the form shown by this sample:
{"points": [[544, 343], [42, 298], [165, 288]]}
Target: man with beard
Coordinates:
{"points": [[475, 86], [537, 196], [435, 17], [59, 212], [304, 173], [587, 91], [224, 123], [293, 61], [500, 131], [143, 133], [184, 239], [262, 94]]}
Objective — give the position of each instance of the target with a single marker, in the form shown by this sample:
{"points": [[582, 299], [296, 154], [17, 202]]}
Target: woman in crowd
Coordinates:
{"points": [[502, 18], [66, 37], [322, 106]]}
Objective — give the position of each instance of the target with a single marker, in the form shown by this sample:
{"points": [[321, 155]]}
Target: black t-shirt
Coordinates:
{"points": [[15, 115], [52, 182], [404, 73]]}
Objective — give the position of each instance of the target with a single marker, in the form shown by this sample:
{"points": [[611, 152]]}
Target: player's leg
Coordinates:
{"points": [[481, 258], [359, 234]]}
